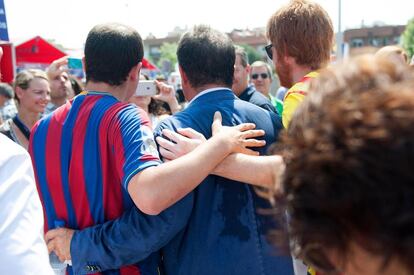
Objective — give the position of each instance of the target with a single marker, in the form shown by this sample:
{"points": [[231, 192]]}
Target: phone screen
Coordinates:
{"points": [[74, 63]]}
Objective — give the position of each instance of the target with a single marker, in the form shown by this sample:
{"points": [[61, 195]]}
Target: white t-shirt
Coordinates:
{"points": [[22, 246]]}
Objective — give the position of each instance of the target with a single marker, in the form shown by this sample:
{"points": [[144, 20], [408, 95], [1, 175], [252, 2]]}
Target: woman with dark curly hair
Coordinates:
{"points": [[349, 182]]}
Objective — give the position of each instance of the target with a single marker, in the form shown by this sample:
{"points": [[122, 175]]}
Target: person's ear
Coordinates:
{"points": [[289, 60], [83, 64], [135, 71], [184, 78], [19, 92], [248, 69]]}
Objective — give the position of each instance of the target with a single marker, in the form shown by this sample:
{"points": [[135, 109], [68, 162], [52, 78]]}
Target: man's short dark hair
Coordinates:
{"points": [[206, 56], [111, 51], [349, 154]]}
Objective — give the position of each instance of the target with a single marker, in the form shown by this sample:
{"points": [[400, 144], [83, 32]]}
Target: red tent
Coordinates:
{"points": [[148, 65], [37, 51]]}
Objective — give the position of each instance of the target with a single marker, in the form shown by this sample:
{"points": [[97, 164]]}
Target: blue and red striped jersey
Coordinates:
{"points": [[84, 154]]}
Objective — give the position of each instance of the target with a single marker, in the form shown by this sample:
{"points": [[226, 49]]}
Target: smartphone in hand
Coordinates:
{"points": [[74, 63], [146, 88]]}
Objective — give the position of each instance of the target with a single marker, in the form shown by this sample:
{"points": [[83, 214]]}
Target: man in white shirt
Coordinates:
{"points": [[23, 249]]}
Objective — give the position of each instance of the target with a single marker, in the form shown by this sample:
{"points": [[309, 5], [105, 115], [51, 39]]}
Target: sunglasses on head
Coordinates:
{"points": [[268, 50], [262, 75]]}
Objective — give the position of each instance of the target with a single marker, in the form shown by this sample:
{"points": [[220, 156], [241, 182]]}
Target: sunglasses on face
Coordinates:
{"points": [[268, 50], [262, 75]]}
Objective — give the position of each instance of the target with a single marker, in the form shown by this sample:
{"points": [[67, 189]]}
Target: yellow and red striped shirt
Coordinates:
{"points": [[295, 95]]}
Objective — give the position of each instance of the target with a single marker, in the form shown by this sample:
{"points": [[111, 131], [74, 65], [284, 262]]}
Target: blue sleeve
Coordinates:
{"points": [[134, 143], [127, 240]]}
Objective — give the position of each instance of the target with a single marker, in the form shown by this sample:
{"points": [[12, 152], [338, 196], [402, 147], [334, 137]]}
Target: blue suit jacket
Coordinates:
{"points": [[216, 229]]}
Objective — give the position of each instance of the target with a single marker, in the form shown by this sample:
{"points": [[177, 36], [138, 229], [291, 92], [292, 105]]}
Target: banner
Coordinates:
{"points": [[4, 34]]}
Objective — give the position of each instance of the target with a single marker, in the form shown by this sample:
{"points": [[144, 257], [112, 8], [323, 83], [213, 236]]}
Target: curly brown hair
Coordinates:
{"points": [[349, 153]]}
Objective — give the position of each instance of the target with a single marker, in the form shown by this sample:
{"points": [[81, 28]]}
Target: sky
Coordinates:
{"points": [[68, 22]]}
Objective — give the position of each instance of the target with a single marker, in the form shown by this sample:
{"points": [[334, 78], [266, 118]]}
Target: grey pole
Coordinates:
{"points": [[339, 36]]}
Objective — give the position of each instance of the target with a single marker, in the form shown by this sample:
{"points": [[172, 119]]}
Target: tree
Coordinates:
{"points": [[252, 53], [408, 38], [168, 56]]}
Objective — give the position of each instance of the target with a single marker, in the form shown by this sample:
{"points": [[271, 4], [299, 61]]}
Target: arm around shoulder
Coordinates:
{"points": [[263, 171]]}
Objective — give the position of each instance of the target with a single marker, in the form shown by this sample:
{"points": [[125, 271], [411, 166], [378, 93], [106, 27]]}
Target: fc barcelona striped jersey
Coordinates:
{"points": [[84, 154]]}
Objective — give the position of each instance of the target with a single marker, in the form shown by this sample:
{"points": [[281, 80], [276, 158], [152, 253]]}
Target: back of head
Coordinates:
{"points": [[207, 57], [303, 30], [6, 91], [244, 58], [111, 51], [393, 51], [349, 155]]}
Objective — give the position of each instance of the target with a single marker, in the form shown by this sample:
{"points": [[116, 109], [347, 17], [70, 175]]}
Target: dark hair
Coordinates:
{"points": [[303, 30], [349, 154], [6, 90], [158, 107], [111, 51], [76, 85], [206, 56]]}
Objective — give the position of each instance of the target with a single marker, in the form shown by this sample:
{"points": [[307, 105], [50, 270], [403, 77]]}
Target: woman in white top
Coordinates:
{"points": [[23, 249]]}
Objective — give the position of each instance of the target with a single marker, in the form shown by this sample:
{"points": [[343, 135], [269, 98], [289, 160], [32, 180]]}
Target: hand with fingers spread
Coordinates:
{"points": [[58, 240], [57, 67], [239, 137], [179, 144]]}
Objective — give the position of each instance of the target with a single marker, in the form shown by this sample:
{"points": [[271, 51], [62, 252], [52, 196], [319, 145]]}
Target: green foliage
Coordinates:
{"points": [[252, 53], [408, 37], [169, 54]]}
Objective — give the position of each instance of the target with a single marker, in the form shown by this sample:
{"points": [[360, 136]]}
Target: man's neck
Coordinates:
{"points": [[116, 91], [193, 92], [58, 101], [239, 93], [299, 72]]}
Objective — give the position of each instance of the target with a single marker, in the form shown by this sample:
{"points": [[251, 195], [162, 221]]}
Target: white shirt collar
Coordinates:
{"points": [[208, 91]]}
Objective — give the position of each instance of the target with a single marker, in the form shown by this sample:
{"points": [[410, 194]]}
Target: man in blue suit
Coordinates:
{"points": [[224, 233], [215, 229]]}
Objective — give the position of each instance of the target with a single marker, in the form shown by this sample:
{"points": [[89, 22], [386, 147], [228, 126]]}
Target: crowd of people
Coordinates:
{"points": [[313, 180]]}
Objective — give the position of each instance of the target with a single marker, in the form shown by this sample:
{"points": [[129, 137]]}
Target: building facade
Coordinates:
{"points": [[369, 39], [255, 38]]}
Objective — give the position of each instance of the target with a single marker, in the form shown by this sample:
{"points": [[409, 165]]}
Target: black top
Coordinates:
{"points": [[253, 96]]}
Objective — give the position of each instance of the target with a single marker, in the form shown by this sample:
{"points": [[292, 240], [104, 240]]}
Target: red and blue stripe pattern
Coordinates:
{"points": [[84, 155]]}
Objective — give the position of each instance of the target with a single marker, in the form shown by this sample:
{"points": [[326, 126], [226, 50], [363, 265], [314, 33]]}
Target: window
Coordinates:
{"points": [[357, 43]]}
